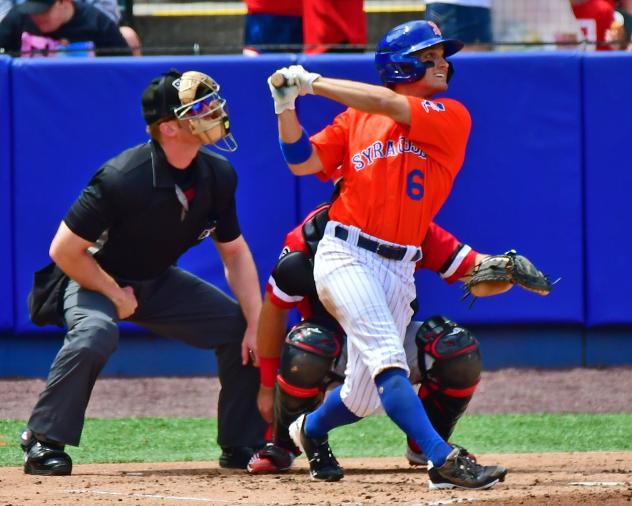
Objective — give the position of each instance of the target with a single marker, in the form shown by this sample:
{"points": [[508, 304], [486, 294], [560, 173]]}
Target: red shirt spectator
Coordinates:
{"points": [[333, 22], [601, 12], [279, 7]]}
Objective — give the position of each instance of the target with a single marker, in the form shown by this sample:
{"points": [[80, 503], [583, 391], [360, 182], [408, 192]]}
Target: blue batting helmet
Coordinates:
{"points": [[393, 53]]}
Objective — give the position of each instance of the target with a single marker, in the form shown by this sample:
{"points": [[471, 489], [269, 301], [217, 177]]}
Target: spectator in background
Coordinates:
{"points": [[466, 20], [109, 7], [112, 10], [595, 18], [620, 31], [54, 25], [334, 26], [276, 23], [538, 24], [5, 7]]}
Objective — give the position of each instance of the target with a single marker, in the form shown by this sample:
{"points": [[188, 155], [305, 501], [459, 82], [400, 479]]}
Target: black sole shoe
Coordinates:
{"points": [[44, 458], [236, 457], [461, 471], [50, 467], [323, 466]]}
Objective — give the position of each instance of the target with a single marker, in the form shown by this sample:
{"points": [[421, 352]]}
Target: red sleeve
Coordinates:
{"points": [[331, 145], [293, 242], [445, 255], [279, 298], [441, 128]]}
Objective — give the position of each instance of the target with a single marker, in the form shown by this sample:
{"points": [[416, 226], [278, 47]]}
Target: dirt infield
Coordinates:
{"points": [[589, 479]]}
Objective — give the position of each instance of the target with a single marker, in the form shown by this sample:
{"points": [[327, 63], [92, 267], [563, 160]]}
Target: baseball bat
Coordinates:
{"points": [[278, 80]]}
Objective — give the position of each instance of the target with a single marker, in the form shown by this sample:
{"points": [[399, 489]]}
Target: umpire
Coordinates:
{"points": [[118, 246]]}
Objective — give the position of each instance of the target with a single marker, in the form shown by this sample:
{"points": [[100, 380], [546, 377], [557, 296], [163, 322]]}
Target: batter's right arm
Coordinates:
{"points": [[70, 252], [299, 154], [290, 131]]}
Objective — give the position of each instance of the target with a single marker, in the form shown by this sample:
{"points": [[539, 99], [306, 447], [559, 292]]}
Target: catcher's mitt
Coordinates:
{"points": [[498, 273]]}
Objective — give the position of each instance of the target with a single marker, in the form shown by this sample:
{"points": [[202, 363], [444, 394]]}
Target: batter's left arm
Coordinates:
{"points": [[241, 274], [361, 96], [365, 97]]}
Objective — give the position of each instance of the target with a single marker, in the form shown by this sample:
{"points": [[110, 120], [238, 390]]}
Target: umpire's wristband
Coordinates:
{"points": [[297, 152]]}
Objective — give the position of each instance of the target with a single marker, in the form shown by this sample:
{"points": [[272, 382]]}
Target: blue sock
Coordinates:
{"points": [[331, 414], [404, 407]]}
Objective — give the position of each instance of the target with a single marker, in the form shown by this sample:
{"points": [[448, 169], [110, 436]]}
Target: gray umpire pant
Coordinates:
{"points": [[178, 305]]}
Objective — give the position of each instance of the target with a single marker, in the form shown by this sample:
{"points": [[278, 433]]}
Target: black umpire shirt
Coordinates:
{"points": [[134, 199]]}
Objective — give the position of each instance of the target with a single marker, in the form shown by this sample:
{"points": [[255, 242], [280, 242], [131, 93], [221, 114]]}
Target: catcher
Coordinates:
{"points": [[443, 357]]}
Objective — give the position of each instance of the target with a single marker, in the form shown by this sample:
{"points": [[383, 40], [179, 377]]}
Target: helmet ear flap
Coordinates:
{"points": [[450, 71], [400, 68]]}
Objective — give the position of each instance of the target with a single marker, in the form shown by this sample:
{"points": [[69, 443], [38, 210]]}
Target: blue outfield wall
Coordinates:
{"points": [[6, 200], [520, 185], [545, 127], [608, 179]]}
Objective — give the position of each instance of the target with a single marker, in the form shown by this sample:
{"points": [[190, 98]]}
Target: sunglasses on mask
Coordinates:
{"points": [[211, 105]]}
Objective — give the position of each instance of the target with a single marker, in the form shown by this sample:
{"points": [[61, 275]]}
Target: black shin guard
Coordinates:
{"points": [[450, 360]]}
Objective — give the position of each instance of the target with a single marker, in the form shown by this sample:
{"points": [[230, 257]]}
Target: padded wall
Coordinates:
{"points": [[537, 119], [6, 200], [93, 111], [608, 179], [520, 186]]}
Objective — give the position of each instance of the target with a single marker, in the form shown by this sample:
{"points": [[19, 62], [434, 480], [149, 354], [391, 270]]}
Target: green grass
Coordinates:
{"points": [[186, 439]]}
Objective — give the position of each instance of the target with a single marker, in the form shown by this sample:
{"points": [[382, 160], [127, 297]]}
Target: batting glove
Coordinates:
{"points": [[303, 79], [284, 96]]}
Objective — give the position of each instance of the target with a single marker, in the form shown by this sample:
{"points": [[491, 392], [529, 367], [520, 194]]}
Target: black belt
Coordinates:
{"points": [[384, 250]]}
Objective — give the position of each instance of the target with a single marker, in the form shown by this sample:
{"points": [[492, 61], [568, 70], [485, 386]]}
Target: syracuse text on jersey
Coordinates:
{"points": [[377, 150]]}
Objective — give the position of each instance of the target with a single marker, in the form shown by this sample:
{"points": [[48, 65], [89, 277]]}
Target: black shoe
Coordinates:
{"points": [[236, 457], [271, 459], [460, 471], [322, 463], [44, 457]]}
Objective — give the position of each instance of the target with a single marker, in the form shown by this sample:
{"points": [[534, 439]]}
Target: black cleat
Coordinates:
{"points": [[271, 459], [45, 458], [235, 457], [461, 471], [322, 463]]}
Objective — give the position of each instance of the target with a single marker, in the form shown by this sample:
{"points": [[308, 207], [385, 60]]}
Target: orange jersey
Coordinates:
{"points": [[396, 177]]}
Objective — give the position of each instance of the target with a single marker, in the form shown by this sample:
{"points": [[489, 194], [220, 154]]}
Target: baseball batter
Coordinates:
{"points": [[443, 357], [399, 152]]}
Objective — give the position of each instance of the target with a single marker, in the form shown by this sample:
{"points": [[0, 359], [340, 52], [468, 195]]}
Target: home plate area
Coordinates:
{"points": [[593, 478]]}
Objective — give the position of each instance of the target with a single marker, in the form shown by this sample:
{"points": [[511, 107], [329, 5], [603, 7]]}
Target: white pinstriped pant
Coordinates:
{"points": [[370, 297]]}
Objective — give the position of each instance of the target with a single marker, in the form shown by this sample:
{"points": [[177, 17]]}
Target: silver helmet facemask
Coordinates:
{"points": [[204, 110]]}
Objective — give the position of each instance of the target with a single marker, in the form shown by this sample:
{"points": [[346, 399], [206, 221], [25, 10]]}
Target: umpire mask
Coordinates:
{"points": [[204, 109]]}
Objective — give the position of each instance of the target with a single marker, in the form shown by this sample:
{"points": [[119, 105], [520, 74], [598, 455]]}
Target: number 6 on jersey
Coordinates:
{"points": [[414, 187]]}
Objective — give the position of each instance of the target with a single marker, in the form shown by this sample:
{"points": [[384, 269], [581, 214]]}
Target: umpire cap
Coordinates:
{"points": [[160, 98]]}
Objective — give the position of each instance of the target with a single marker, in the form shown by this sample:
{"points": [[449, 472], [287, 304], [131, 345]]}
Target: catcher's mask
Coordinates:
{"points": [[204, 109], [191, 97], [394, 57]]}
